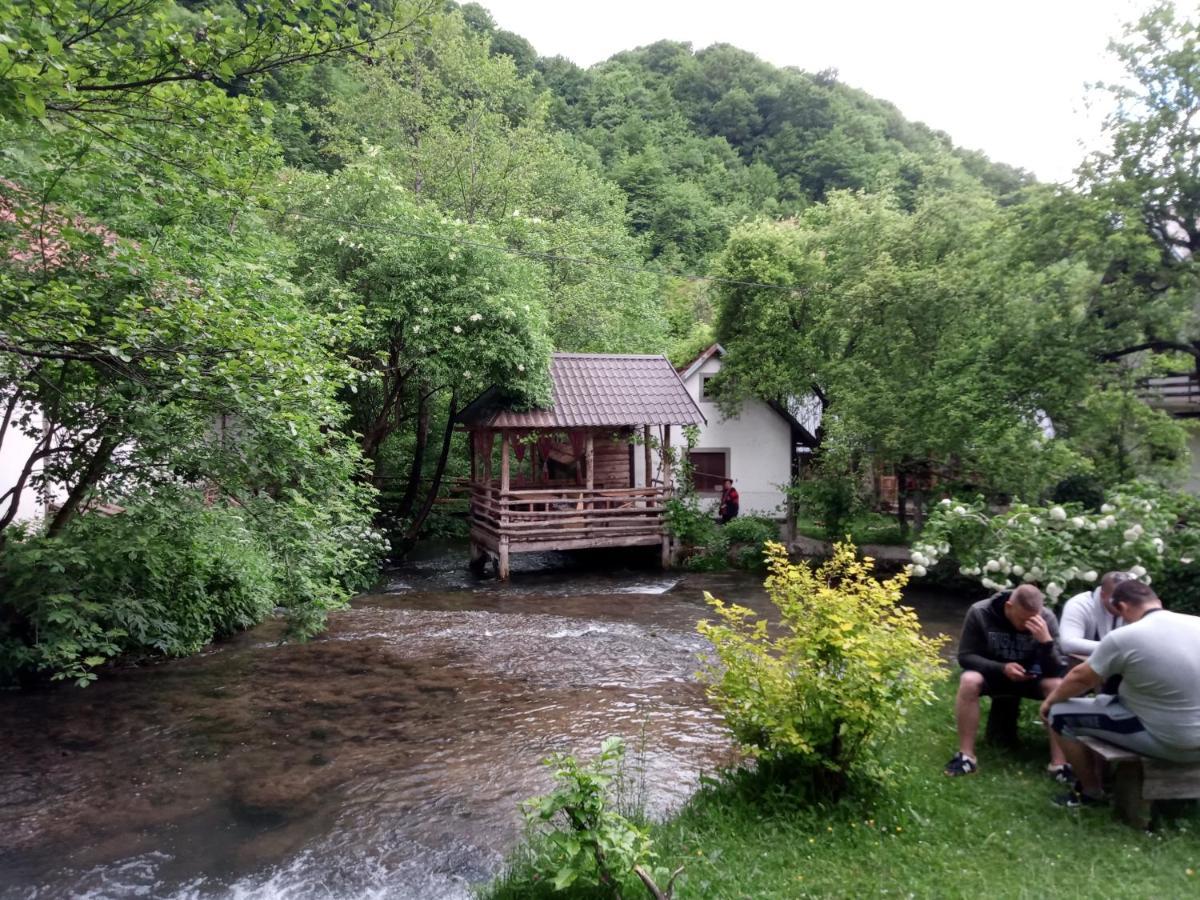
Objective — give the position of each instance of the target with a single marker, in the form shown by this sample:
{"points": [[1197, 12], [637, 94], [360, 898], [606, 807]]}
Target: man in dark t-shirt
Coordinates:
{"points": [[1008, 648]]}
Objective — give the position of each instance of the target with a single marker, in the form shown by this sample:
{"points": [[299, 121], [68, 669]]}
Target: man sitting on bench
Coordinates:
{"points": [[1157, 712], [1007, 649]]}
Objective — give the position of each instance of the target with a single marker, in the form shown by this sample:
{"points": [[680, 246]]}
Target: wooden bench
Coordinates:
{"points": [[1140, 780]]}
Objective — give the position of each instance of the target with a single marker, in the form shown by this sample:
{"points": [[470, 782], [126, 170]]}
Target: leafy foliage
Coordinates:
{"points": [[1141, 528], [823, 693], [592, 841]]}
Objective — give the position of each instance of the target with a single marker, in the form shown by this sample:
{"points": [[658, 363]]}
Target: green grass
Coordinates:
{"points": [[995, 834], [865, 528]]}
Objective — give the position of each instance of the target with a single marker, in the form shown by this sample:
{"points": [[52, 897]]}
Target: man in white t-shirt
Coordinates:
{"points": [[1086, 618], [1157, 713]]}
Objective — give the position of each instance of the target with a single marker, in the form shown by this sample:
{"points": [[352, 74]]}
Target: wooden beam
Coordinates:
{"points": [[649, 455], [590, 460], [504, 463], [666, 458]]}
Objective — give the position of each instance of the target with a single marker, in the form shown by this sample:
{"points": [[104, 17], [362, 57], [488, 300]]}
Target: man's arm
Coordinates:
{"points": [[973, 645], [1078, 681], [1076, 626]]}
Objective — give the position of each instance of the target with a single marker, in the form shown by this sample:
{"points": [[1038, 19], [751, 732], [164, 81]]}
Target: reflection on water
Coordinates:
{"points": [[385, 758]]}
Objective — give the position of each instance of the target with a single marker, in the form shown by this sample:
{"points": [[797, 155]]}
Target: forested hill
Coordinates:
{"points": [[699, 140]]}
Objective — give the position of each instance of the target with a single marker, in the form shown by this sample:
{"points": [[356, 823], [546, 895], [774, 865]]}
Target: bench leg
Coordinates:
{"points": [[1127, 795]]}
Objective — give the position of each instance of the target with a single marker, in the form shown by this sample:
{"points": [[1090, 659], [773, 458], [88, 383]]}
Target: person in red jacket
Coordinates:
{"points": [[729, 502]]}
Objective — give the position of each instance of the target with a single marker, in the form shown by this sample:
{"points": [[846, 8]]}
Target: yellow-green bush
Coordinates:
{"points": [[824, 690]]}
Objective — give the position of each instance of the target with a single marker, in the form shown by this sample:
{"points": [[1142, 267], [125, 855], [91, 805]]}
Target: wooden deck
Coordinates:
{"points": [[524, 520]]}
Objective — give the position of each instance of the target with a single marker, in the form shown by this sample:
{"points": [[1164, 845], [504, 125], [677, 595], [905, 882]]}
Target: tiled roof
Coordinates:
{"points": [[601, 390]]}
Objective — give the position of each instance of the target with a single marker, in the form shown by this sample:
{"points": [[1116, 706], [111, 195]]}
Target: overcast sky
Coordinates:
{"points": [[1005, 78]]}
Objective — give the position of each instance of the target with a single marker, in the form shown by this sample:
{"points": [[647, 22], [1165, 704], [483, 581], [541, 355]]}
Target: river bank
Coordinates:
{"points": [[384, 758]]}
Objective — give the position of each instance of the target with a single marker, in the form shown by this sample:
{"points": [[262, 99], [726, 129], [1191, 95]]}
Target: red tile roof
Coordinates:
{"points": [[597, 390]]}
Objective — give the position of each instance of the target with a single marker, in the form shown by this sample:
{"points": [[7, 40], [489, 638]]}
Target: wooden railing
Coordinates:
{"points": [[1172, 391], [539, 514]]}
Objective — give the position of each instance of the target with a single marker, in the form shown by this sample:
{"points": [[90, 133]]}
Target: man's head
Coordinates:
{"points": [[1022, 605], [728, 483], [1132, 600], [1107, 585]]}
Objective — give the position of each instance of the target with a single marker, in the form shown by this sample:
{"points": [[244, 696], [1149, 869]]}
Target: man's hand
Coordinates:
{"points": [[1015, 672], [1037, 627], [1044, 711]]}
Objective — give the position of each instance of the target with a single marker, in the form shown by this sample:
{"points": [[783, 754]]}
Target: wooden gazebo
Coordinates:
{"points": [[566, 474]]}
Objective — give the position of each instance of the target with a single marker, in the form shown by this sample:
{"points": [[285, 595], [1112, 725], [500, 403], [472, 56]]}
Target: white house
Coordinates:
{"points": [[16, 448], [756, 448]]}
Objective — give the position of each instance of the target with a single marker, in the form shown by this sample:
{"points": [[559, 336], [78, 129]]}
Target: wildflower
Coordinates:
{"points": [[475, 317], [520, 367], [458, 329]]}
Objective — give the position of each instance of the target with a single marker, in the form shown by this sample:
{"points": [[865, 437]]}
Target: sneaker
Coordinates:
{"points": [[960, 764], [1077, 799], [1063, 774]]}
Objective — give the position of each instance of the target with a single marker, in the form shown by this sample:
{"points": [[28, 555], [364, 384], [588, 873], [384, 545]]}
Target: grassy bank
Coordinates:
{"points": [[995, 834]]}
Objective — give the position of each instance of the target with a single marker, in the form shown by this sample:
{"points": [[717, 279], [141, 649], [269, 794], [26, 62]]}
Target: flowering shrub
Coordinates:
{"points": [[848, 664], [1059, 546]]}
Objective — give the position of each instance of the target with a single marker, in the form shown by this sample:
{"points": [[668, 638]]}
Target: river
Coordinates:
{"points": [[385, 758]]}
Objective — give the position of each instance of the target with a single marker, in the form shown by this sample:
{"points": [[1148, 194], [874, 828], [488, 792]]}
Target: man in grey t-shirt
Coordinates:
{"points": [[1157, 712]]}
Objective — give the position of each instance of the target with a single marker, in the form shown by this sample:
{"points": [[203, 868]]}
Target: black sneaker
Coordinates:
{"points": [[960, 764], [1063, 774], [1077, 799]]}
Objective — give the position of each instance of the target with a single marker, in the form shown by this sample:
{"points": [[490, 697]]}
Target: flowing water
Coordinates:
{"points": [[385, 758]]}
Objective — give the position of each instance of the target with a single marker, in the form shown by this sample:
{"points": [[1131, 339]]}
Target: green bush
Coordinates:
{"points": [[820, 699], [167, 576], [829, 497], [579, 838], [745, 538]]}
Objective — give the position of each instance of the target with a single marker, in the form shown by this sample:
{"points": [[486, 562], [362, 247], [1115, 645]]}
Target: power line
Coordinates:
{"points": [[538, 254]]}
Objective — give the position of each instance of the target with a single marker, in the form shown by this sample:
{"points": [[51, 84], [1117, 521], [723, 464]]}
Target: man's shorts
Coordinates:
{"points": [[1104, 717], [1000, 686]]}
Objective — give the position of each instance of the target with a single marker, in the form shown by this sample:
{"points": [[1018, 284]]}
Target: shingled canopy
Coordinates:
{"points": [[596, 390], [572, 485]]}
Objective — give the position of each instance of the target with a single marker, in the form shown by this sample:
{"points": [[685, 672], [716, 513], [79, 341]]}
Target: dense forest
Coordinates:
{"points": [[257, 257]]}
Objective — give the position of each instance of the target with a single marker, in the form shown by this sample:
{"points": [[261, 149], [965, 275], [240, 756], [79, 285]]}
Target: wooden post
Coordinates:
{"points": [[664, 455], [649, 455], [589, 456], [505, 481]]}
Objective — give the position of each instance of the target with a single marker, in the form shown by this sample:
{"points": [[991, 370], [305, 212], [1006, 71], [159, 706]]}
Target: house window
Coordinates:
{"points": [[705, 393], [709, 469]]}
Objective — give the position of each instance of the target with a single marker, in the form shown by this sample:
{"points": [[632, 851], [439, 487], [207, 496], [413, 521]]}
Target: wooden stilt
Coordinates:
{"points": [[503, 573]]}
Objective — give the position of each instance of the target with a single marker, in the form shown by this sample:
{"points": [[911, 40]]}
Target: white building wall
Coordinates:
{"points": [[14, 453], [1192, 486], [758, 443]]}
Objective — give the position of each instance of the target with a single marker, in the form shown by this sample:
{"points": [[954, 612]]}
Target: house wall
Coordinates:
{"points": [[1192, 485], [14, 452], [758, 442]]}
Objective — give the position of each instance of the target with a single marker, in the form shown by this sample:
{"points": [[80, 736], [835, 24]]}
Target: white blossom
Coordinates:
{"points": [[960, 510], [1077, 521], [1053, 591], [458, 329], [1158, 544], [945, 502], [991, 566], [520, 367], [1018, 570], [1035, 520], [1057, 513], [1036, 572], [1107, 508], [918, 558], [918, 571], [989, 584], [1132, 534], [475, 317], [1088, 576], [416, 329], [1138, 571], [1028, 578], [1146, 579]]}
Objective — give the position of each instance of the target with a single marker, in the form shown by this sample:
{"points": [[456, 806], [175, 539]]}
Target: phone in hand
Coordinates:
{"points": [[1034, 671]]}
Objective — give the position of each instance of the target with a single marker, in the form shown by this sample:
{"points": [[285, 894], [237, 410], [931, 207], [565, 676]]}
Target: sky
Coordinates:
{"points": [[1005, 78]]}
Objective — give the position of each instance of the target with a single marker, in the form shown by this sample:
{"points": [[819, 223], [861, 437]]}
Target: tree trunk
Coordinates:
{"points": [[435, 483], [404, 509], [902, 503], [89, 479]]}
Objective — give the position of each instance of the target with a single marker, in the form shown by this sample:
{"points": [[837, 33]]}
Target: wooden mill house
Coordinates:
{"points": [[566, 474]]}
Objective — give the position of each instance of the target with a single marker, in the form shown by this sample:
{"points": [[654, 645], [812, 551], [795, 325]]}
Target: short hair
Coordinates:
{"points": [[728, 480], [1029, 597], [1134, 593], [1112, 579]]}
